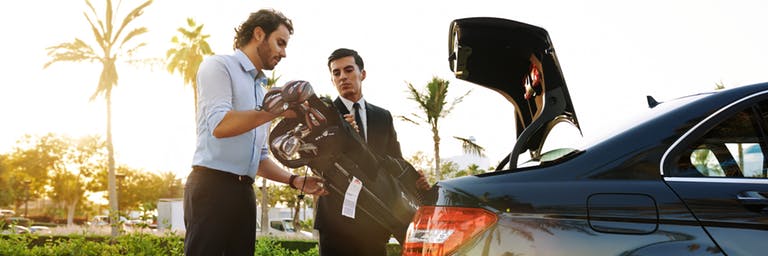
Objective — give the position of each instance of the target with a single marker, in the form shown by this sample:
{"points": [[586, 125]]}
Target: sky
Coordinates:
{"points": [[612, 54]]}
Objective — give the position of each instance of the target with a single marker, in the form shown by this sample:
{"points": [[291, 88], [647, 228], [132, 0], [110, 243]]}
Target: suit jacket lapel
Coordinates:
{"points": [[340, 106]]}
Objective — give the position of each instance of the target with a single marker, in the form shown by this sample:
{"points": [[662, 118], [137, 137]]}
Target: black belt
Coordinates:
{"points": [[240, 178]]}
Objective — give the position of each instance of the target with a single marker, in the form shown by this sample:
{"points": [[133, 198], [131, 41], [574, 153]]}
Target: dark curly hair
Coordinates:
{"points": [[267, 19]]}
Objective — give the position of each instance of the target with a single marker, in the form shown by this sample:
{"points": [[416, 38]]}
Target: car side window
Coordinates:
{"points": [[734, 148], [276, 225]]}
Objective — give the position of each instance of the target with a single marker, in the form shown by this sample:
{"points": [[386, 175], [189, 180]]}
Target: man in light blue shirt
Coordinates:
{"points": [[232, 130]]}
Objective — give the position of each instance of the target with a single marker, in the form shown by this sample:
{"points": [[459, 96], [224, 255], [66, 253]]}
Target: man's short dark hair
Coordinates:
{"points": [[344, 52], [269, 20]]}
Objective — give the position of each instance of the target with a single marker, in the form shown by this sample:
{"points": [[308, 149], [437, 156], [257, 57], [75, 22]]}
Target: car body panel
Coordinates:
{"points": [[732, 210]]}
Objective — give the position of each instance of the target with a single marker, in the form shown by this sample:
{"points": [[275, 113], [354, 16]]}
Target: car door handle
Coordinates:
{"points": [[753, 198]]}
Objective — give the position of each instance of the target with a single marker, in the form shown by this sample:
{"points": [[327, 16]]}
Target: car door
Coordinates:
{"points": [[719, 170]]}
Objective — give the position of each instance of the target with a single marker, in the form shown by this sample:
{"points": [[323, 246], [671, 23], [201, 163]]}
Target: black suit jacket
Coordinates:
{"points": [[382, 139]]}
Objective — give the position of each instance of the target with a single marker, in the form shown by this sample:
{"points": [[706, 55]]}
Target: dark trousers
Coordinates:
{"points": [[219, 213]]}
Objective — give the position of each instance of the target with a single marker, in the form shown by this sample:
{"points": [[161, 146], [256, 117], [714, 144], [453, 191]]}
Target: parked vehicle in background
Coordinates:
{"points": [[284, 227], [14, 225], [103, 220], [689, 177], [21, 221], [7, 213], [16, 229], [40, 230]]}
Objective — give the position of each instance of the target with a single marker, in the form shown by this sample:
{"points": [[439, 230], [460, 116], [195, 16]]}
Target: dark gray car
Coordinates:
{"points": [[686, 178]]}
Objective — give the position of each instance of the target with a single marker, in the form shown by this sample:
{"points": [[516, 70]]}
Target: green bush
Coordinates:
{"points": [[139, 244], [131, 244]]}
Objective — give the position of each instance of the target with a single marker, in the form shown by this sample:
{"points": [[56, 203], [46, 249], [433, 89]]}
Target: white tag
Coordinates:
{"points": [[350, 198]]}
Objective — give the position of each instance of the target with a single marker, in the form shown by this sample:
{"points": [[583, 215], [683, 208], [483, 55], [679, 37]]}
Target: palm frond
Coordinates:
{"points": [[98, 35], [457, 100], [75, 51], [110, 22], [135, 13], [199, 29], [204, 47], [175, 39], [107, 80], [406, 119], [470, 147], [132, 34], [95, 14], [416, 96]]}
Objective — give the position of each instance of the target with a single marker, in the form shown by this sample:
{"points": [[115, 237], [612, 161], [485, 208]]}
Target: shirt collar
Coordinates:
{"points": [[247, 65], [349, 103]]}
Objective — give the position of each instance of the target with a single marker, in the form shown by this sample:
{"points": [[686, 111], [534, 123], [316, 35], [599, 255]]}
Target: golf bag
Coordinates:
{"points": [[322, 140]]}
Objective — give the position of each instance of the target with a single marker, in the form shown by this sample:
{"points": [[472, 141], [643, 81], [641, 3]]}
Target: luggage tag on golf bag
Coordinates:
{"points": [[350, 197]]}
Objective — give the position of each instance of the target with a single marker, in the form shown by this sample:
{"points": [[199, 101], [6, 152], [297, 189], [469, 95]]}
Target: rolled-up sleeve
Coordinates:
{"points": [[214, 91]]}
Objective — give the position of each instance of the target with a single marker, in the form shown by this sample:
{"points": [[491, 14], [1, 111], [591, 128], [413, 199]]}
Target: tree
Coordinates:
{"points": [[30, 164], [83, 159], [719, 85], [54, 165], [290, 196], [188, 53], [472, 169], [141, 190], [114, 44], [449, 169], [420, 161], [433, 104], [5, 198]]}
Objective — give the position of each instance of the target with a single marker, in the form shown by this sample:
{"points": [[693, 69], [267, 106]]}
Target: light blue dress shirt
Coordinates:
{"points": [[225, 83]]}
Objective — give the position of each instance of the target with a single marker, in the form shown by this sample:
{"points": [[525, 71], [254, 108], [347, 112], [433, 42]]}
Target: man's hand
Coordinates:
{"points": [[351, 120], [273, 101], [311, 185], [422, 183], [297, 91]]}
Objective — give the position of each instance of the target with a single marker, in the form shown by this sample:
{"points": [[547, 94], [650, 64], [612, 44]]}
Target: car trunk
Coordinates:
{"points": [[518, 61]]}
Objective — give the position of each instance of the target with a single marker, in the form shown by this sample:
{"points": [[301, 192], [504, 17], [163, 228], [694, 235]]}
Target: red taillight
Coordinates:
{"points": [[441, 230]]}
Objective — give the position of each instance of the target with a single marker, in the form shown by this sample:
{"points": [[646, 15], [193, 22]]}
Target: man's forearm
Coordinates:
{"points": [[268, 169], [238, 122]]}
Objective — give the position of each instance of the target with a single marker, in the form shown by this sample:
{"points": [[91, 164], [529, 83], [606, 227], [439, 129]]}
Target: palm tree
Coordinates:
{"points": [[188, 53], [433, 103], [112, 42]]}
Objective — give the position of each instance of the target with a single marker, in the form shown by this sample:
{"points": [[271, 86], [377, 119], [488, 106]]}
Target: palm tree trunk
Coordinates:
{"points": [[436, 138], [71, 213], [264, 207], [112, 186], [296, 210]]}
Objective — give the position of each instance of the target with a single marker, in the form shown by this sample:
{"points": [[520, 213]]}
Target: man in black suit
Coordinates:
{"points": [[358, 235]]}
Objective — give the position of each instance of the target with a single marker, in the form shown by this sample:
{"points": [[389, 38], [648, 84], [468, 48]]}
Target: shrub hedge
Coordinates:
{"points": [[139, 244]]}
